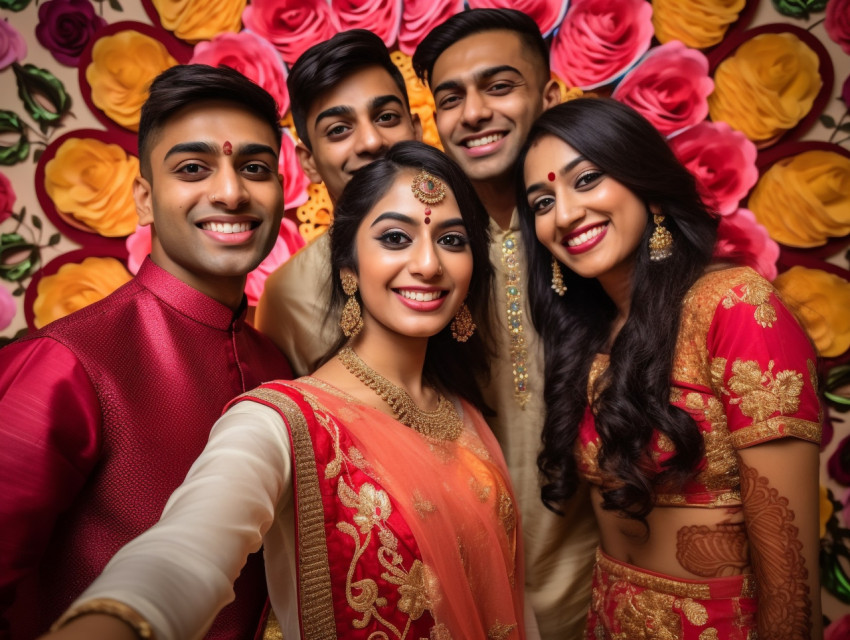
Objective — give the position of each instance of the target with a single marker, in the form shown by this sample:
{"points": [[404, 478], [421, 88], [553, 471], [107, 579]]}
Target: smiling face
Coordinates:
{"points": [[412, 275], [353, 124], [588, 221], [488, 90], [214, 197]]}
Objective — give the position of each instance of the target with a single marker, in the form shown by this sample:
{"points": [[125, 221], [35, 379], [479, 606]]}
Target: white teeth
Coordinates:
{"points": [[226, 227], [587, 235], [485, 140], [420, 296]]}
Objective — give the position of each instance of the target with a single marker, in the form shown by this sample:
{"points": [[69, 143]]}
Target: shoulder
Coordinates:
{"points": [[311, 261]]}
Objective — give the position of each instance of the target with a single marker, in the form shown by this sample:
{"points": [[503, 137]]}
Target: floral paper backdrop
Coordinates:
{"points": [[752, 95]]}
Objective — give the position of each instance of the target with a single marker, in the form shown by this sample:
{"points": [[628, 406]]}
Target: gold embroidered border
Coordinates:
{"points": [[669, 586], [725, 499], [777, 427], [513, 293], [314, 575]]}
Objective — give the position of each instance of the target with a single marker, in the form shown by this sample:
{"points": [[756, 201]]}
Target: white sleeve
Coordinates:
{"points": [[180, 573]]}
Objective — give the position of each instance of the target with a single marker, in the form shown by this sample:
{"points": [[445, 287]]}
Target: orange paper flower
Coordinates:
{"points": [[820, 300], [696, 23], [92, 182], [803, 200], [421, 100], [767, 86], [75, 286], [122, 67], [194, 20]]}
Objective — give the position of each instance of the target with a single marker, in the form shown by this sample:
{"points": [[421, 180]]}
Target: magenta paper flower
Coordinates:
{"points": [[292, 26], [381, 17], [295, 181], [138, 246], [599, 40], [546, 13], [838, 464], [7, 197], [721, 159], [743, 240], [839, 629], [8, 308], [252, 56], [288, 242], [13, 47], [65, 27], [418, 17], [669, 87], [845, 92], [837, 23]]}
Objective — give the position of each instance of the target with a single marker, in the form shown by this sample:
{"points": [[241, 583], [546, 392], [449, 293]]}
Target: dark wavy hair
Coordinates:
{"points": [[453, 366], [634, 397]]}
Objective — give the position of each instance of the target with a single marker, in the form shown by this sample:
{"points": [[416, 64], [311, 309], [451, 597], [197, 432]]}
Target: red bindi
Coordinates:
{"points": [[227, 148], [551, 176]]}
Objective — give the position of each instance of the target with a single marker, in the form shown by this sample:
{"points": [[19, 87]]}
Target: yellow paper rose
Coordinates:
{"points": [[315, 215], [92, 182], [766, 87], [820, 301], [194, 20], [826, 510], [421, 101], [803, 200], [122, 67], [697, 23], [75, 286]]}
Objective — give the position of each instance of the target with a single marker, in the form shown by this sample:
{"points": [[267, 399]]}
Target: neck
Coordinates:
{"points": [[618, 285], [400, 359], [498, 197]]}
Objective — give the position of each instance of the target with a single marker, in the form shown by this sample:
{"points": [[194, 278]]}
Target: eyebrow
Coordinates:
{"points": [[345, 110], [400, 217], [567, 168], [489, 72], [207, 148]]}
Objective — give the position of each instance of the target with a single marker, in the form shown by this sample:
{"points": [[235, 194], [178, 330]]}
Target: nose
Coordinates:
{"points": [[475, 109], [424, 260], [369, 140], [229, 189], [568, 213]]}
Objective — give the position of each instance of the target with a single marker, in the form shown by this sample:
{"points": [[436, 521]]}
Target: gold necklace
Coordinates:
{"points": [[443, 423]]}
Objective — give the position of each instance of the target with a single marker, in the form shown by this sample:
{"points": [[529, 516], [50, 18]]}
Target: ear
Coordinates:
{"points": [[308, 163], [551, 94], [417, 127], [143, 195], [655, 209]]}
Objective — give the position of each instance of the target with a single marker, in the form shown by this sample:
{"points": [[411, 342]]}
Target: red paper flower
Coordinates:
{"points": [[7, 197], [838, 465], [722, 160], [65, 27], [292, 26], [742, 240], [600, 39], [546, 13], [669, 87], [295, 181], [419, 17], [252, 56], [845, 92], [381, 17], [837, 23]]}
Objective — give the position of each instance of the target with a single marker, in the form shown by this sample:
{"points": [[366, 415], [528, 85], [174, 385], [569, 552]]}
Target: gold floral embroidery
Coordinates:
{"points": [[813, 374], [721, 468], [414, 589], [440, 632], [803, 429], [481, 491], [422, 505], [597, 368], [507, 513], [760, 393], [514, 302], [646, 615], [755, 291], [709, 634], [694, 612], [718, 373], [373, 505], [500, 631]]}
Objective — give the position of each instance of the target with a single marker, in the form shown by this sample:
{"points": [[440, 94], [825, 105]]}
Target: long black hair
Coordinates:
{"points": [[633, 396], [456, 367]]}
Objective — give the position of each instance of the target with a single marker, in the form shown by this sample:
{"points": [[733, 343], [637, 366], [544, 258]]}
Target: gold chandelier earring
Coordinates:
{"points": [[462, 325], [661, 242], [350, 321], [558, 285]]}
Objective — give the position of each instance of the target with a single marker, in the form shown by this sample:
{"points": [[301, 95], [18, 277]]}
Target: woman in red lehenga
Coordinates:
{"points": [[382, 502], [683, 391]]}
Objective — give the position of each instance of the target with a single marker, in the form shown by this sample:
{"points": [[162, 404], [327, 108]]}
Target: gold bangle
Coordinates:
{"points": [[114, 608]]}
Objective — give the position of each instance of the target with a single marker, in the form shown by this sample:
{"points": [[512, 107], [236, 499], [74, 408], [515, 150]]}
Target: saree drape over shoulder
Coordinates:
{"points": [[370, 529]]}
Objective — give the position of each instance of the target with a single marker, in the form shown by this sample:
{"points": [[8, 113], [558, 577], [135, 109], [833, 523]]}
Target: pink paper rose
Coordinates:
{"points": [[845, 92], [546, 13], [837, 23], [252, 56], [669, 87], [600, 39], [138, 246], [721, 159], [742, 240], [288, 242], [381, 17], [295, 181], [65, 27], [420, 16], [13, 47], [292, 26], [8, 308], [839, 629], [7, 197]]}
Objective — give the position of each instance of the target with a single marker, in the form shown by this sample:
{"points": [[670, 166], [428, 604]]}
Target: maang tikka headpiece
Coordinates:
{"points": [[428, 189]]}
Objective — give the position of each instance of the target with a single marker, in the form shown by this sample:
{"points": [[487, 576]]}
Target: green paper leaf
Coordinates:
{"points": [[36, 222], [114, 4], [11, 123], [54, 239], [799, 8], [827, 120], [845, 127], [14, 5], [18, 258], [37, 87]]}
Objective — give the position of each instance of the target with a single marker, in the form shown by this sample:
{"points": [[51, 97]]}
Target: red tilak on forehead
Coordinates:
{"points": [[227, 148], [551, 176]]}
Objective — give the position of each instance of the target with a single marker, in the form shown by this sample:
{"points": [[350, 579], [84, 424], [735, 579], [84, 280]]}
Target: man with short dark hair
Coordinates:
{"points": [[105, 410], [488, 70], [349, 104]]}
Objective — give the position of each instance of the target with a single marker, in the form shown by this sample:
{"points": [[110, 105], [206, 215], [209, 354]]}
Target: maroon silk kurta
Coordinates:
{"points": [[101, 415]]}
